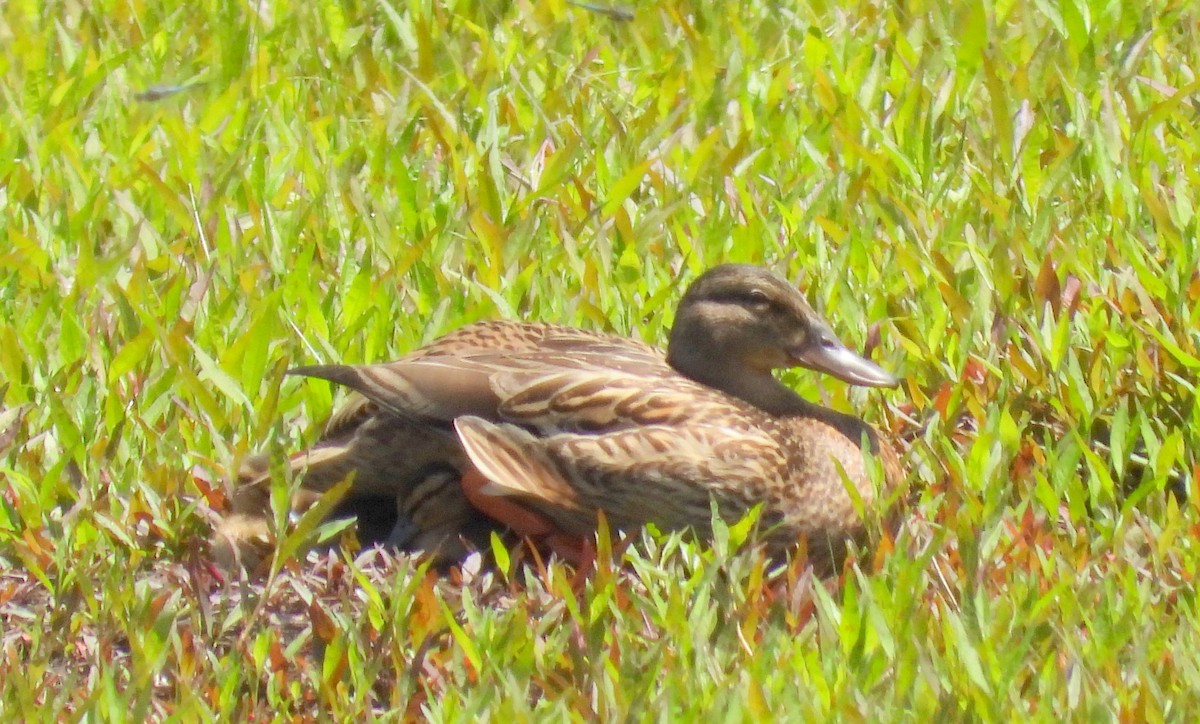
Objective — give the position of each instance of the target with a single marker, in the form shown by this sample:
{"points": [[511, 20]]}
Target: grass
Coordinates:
{"points": [[197, 197]]}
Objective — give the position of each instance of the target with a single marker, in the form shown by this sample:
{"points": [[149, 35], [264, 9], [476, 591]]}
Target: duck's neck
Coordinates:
{"points": [[757, 387], [762, 390]]}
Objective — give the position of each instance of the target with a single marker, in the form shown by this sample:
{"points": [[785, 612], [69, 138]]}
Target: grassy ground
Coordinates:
{"points": [[195, 197]]}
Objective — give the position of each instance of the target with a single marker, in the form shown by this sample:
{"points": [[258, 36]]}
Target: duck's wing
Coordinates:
{"points": [[496, 384], [489, 337], [661, 474]]}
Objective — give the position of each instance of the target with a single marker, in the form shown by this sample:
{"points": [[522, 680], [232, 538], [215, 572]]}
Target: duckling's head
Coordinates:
{"points": [[739, 319]]}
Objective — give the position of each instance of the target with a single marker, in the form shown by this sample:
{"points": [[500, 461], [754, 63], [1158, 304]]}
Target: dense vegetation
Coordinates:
{"points": [[196, 196]]}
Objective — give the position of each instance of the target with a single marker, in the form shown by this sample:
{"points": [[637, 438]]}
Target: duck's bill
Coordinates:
{"points": [[834, 358]]}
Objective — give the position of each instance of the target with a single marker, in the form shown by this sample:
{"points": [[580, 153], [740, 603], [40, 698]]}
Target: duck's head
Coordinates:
{"points": [[739, 318]]}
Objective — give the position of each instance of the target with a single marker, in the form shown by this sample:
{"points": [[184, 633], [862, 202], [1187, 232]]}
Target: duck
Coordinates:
{"points": [[539, 426]]}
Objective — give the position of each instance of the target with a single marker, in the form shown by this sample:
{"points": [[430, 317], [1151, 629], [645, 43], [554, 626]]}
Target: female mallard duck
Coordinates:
{"points": [[567, 423]]}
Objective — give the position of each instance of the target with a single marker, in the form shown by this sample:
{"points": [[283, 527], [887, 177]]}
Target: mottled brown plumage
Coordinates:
{"points": [[401, 487], [569, 422]]}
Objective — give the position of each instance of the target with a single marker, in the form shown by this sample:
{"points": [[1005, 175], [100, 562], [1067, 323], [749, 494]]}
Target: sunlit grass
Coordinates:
{"points": [[196, 197]]}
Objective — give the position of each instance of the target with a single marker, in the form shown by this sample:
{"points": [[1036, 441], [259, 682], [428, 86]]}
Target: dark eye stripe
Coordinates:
{"points": [[745, 298]]}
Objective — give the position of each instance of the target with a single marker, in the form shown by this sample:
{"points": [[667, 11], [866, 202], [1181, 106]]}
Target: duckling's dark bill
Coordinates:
{"points": [[834, 358]]}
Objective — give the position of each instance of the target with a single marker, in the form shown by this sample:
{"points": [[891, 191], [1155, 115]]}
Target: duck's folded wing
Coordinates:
{"points": [[667, 476], [573, 388]]}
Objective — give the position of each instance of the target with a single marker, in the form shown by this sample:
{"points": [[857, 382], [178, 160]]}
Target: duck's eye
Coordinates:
{"points": [[759, 300]]}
